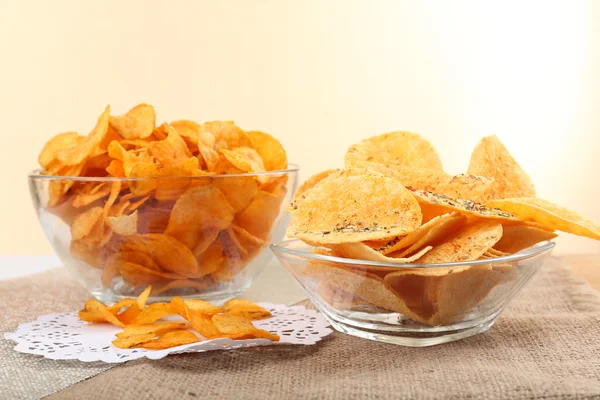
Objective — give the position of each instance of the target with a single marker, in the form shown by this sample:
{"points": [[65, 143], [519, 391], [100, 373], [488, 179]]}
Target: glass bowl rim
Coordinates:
{"points": [[36, 174], [524, 254]]}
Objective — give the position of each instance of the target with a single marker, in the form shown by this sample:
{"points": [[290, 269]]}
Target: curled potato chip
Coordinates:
{"points": [[95, 307], [57, 143], [244, 158], [270, 150], [115, 168], [469, 243], [189, 131], [153, 220], [518, 237], [129, 159], [551, 215], [132, 341], [83, 198], [258, 218], [313, 181], [490, 158], [77, 154], [138, 123], [204, 325], [170, 151], [193, 306], [227, 134], [198, 213], [239, 191], [171, 339], [125, 225], [361, 251], [236, 327], [169, 253], [403, 149], [434, 204], [210, 157], [139, 274], [355, 209], [246, 309], [154, 312], [83, 224], [155, 329]]}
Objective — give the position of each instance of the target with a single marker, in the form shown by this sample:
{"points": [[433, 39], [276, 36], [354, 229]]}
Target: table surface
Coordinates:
{"points": [[585, 265]]}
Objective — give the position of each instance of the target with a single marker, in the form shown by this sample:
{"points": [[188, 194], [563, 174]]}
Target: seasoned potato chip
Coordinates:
{"points": [[57, 143], [139, 274], [245, 159], [246, 309], [83, 224], [239, 191], [154, 312], [469, 243], [312, 182], [440, 231], [197, 214], [236, 327], [204, 325], [169, 253], [115, 168], [155, 329], [518, 237], [355, 209], [551, 215], [361, 251], [132, 341], [270, 150], [83, 198], [100, 311], [194, 306], [403, 149], [170, 151], [434, 204], [227, 134], [490, 158], [138, 123], [188, 130], [258, 218], [171, 339], [125, 225], [129, 159], [77, 154]]}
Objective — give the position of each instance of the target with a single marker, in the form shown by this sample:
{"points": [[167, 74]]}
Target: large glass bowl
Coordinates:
{"points": [[182, 239], [410, 304]]}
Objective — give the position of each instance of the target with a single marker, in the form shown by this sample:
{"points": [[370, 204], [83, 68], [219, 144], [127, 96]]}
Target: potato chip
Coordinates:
{"points": [[139, 274], [245, 159], [155, 329], [169, 253], [232, 259], [490, 158], [355, 209], [57, 143], [210, 157], [204, 325], [436, 234], [550, 215], [116, 308], [212, 259], [83, 199], [83, 224], [339, 298], [368, 287], [129, 159], [115, 168], [153, 220], [138, 123], [170, 151], [171, 339], [246, 309], [434, 204], [361, 251], [313, 181], [99, 309], [270, 150], [77, 154], [403, 149], [239, 191], [258, 218], [189, 131], [236, 327], [518, 237], [201, 307], [469, 243], [132, 341], [125, 225], [197, 214], [227, 134], [96, 164], [154, 312]]}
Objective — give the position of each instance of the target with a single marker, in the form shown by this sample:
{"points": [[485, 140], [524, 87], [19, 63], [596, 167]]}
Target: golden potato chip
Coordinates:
{"points": [[245, 159], [355, 209], [551, 215], [96, 164], [518, 237], [227, 134], [247, 239], [189, 131], [339, 298], [469, 243], [169, 253], [171, 339], [436, 234], [166, 189], [361, 251], [490, 158], [83, 224], [115, 168], [57, 143], [90, 254], [178, 306], [434, 204], [212, 259], [403, 149], [153, 313], [197, 214], [57, 188], [137, 204], [83, 199], [125, 225], [497, 253], [139, 274], [368, 287], [77, 154], [246, 309], [204, 325], [155, 329], [270, 150], [153, 220], [130, 315], [232, 259], [258, 218], [132, 341], [95, 307], [170, 151], [201, 307], [116, 308], [210, 157], [236, 327], [312, 181], [129, 159], [138, 123], [239, 191]]}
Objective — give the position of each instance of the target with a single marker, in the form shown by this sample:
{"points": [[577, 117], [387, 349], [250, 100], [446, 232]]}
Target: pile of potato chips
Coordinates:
{"points": [[394, 203], [160, 207], [141, 329]]}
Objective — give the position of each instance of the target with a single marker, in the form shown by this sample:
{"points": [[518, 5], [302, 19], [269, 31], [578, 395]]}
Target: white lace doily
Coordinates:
{"points": [[65, 337]]}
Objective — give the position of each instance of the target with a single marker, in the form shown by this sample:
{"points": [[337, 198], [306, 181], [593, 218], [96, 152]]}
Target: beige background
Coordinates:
{"points": [[320, 75]]}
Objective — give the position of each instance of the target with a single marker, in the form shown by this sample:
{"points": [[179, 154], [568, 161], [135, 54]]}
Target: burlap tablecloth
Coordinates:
{"points": [[546, 345]]}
